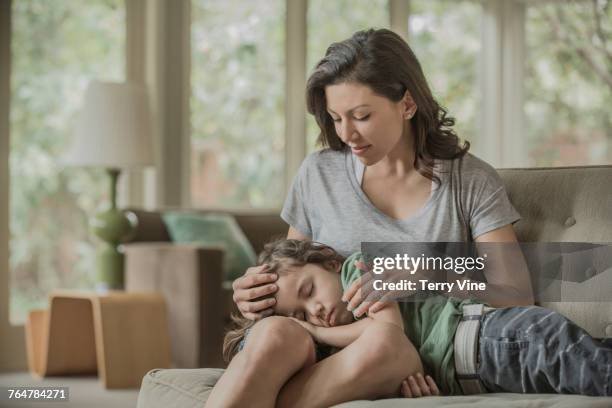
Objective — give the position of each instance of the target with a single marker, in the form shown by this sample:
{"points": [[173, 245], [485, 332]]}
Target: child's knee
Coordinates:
{"points": [[279, 338]]}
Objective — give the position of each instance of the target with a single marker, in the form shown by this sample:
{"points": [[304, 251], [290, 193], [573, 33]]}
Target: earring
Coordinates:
{"points": [[410, 114]]}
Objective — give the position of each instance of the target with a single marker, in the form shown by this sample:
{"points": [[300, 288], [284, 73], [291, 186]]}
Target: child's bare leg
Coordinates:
{"points": [[373, 366], [276, 348]]}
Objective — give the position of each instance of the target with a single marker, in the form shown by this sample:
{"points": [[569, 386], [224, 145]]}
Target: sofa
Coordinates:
{"points": [[569, 204]]}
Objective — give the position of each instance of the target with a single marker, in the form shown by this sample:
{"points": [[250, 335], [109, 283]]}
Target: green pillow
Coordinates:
{"points": [[214, 229]]}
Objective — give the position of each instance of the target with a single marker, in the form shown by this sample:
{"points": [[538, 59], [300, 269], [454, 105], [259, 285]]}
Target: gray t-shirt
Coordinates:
{"points": [[327, 204]]}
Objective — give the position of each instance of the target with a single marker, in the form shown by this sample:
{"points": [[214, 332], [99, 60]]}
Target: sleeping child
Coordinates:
{"points": [[513, 349]]}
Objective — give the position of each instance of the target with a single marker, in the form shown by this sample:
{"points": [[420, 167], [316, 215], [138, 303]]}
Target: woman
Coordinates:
{"points": [[393, 170]]}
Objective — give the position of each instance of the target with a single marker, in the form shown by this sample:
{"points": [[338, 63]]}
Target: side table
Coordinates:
{"points": [[117, 334]]}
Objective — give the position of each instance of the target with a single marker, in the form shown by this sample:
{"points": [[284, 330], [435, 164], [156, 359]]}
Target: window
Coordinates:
{"points": [[237, 149], [333, 21], [57, 48], [237, 103], [568, 83], [445, 36]]}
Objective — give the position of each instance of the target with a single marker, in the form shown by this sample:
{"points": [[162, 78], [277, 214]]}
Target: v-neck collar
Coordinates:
{"points": [[356, 169]]}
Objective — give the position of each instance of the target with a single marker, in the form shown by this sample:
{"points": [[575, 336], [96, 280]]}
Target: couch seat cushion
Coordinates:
{"points": [[189, 388]]}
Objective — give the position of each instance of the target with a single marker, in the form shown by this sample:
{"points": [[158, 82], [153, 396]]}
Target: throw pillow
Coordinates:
{"points": [[214, 229]]}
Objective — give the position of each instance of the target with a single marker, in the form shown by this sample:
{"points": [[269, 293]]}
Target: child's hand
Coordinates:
{"points": [[311, 328], [419, 387]]}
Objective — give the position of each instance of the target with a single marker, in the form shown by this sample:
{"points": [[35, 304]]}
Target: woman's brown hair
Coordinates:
{"points": [[278, 254], [383, 61]]}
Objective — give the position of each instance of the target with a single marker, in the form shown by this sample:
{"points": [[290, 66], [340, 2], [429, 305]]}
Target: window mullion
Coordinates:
{"points": [[490, 84], [131, 184], [295, 83], [167, 72], [399, 11], [5, 64], [502, 74], [12, 339], [513, 62]]}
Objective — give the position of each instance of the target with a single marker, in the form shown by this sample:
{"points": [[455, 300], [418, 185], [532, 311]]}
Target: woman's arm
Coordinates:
{"points": [[508, 278], [342, 336]]}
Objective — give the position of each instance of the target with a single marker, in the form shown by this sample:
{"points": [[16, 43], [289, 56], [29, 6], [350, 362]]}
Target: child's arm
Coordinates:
{"points": [[338, 336], [342, 336]]}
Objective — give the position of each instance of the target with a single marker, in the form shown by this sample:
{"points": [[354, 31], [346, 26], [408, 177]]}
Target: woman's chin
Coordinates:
{"points": [[368, 160]]}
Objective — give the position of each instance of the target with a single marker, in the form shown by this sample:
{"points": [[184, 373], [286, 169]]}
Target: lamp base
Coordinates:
{"points": [[109, 268], [112, 227]]}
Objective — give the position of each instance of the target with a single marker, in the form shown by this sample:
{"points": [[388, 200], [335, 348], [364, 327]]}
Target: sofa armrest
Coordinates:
{"points": [[190, 278]]}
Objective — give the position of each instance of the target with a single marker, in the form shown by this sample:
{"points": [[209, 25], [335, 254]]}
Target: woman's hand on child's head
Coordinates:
{"points": [[419, 387], [354, 294], [255, 283], [362, 297]]}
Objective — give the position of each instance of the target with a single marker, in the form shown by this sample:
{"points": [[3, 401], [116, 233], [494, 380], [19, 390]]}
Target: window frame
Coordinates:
{"points": [[12, 339], [501, 68]]}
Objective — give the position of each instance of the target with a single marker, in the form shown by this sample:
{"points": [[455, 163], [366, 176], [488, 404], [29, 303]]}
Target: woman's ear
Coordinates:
{"points": [[409, 107]]}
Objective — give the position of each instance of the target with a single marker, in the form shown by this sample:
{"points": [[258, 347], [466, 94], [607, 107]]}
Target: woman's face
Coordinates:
{"points": [[312, 293], [371, 125]]}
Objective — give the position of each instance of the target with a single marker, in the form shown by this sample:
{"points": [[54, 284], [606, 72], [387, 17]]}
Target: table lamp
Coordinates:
{"points": [[113, 131]]}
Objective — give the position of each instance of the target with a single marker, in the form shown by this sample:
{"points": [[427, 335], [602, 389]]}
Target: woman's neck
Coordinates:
{"points": [[399, 163]]}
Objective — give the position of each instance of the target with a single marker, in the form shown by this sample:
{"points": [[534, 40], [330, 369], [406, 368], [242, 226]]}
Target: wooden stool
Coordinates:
{"points": [[119, 335]]}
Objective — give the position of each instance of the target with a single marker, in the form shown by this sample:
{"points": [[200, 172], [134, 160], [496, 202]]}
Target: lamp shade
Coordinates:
{"points": [[113, 129]]}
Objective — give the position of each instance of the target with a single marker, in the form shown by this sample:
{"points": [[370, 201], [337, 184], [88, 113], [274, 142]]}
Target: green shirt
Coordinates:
{"points": [[430, 323]]}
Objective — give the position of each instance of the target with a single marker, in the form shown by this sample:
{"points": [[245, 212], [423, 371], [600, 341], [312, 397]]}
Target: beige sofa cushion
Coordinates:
{"points": [[571, 204], [185, 388]]}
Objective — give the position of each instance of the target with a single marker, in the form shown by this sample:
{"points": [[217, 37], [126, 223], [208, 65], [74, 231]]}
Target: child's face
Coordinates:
{"points": [[312, 293]]}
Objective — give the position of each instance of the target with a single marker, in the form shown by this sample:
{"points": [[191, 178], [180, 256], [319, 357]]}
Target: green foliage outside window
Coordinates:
{"points": [[568, 84], [237, 103], [445, 36], [57, 47]]}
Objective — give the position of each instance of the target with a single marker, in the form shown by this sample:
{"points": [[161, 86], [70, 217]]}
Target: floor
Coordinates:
{"points": [[84, 391]]}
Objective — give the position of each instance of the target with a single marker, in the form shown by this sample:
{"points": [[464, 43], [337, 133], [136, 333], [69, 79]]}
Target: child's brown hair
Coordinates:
{"points": [[278, 254]]}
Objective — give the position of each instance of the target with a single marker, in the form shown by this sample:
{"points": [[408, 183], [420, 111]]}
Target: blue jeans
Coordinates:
{"points": [[535, 350]]}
